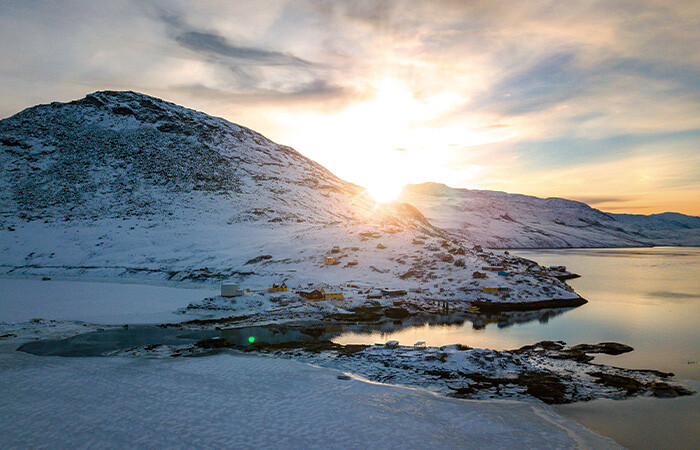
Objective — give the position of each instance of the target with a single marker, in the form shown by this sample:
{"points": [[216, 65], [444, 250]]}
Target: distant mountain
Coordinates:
{"points": [[121, 184], [501, 220]]}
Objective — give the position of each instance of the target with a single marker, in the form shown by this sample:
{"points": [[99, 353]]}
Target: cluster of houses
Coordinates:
{"points": [[334, 260], [229, 290], [319, 294]]}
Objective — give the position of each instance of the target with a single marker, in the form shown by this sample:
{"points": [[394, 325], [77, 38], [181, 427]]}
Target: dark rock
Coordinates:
{"points": [[310, 346], [608, 348], [396, 313], [410, 274], [548, 388], [257, 259], [123, 111], [12, 142], [214, 343], [665, 390], [442, 374], [173, 128], [630, 385], [89, 100], [545, 345]]}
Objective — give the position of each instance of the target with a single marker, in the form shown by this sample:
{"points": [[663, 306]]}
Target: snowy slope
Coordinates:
{"points": [[501, 220], [120, 184]]}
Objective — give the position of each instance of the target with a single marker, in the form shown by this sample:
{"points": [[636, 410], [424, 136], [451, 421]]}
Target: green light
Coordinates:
{"points": [[251, 339]]}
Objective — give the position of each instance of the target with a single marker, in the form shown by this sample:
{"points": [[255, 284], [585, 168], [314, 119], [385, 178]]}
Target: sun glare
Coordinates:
{"points": [[383, 192], [388, 140]]}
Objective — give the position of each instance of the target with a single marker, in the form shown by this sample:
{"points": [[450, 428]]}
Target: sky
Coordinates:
{"points": [[597, 101]]}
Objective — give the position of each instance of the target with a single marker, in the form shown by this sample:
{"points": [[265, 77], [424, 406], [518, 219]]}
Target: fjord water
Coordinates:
{"points": [[648, 298]]}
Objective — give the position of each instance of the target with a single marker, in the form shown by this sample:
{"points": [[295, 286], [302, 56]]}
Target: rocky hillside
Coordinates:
{"points": [[501, 220], [120, 184], [123, 154]]}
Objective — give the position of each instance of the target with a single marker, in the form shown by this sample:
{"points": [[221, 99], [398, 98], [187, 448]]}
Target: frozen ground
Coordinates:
{"points": [[237, 401], [22, 300]]}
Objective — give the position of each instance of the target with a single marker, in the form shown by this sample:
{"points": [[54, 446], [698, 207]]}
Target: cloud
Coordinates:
{"points": [[314, 91], [212, 44], [597, 200]]}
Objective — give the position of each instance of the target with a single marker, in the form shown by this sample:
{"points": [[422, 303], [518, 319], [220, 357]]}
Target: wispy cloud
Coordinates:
{"points": [[210, 44], [315, 91]]}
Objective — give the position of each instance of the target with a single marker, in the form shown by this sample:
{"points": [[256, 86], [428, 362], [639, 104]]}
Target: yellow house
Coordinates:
{"points": [[276, 288], [333, 295], [495, 289], [330, 261]]}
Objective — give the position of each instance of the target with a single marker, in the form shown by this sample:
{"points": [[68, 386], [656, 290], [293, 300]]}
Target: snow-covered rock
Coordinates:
{"points": [[500, 220]]}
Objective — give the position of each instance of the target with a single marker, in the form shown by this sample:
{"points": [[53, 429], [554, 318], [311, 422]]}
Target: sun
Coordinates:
{"points": [[384, 191]]}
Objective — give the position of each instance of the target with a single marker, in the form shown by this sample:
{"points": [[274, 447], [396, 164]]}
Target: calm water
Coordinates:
{"points": [[648, 298]]}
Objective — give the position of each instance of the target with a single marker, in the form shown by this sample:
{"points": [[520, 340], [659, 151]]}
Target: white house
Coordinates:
{"points": [[231, 290]]}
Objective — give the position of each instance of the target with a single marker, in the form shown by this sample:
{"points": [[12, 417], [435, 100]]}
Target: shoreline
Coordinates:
{"points": [[530, 306]]}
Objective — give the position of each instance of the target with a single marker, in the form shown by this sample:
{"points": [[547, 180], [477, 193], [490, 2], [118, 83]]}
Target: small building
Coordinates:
{"points": [[351, 263], [495, 289], [231, 290], [392, 344], [335, 249], [381, 246], [330, 261], [418, 242], [328, 295], [503, 273], [278, 288], [313, 296], [478, 274]]}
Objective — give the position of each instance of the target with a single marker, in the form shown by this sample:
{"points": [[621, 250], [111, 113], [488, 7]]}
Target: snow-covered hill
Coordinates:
{"points": [[501, 220], [120, 184]]}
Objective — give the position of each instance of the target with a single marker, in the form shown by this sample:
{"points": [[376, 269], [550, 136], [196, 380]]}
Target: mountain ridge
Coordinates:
{"points": [[502, 220]]}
